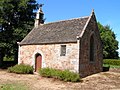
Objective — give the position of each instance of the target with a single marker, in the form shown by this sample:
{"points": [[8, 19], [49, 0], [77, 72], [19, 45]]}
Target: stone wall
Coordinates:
{"points": [[77, 57], [51, 56], [88, 67]]}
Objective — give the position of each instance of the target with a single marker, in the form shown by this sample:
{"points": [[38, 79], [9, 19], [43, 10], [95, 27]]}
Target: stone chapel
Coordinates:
{"points": [[73, 44]]}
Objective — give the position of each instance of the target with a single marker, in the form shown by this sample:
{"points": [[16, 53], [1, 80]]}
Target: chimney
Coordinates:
{"points": [[39, 17]]}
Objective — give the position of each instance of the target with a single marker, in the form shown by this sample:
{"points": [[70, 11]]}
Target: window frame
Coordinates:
{"points": [[63, 50]]}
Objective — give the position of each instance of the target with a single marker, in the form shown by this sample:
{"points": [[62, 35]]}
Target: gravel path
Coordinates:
{"points": [[102, 81]]}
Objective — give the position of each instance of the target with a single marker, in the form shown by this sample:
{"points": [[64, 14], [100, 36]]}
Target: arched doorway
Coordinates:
{"points": [[38, 61]]}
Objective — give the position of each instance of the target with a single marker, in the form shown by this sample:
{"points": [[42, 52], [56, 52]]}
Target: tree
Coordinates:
{"points": [[110, 44], [16, 20]]}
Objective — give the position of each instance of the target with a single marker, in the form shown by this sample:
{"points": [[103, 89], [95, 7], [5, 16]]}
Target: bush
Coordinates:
{"points": [[46, 72], [8, 58], [21, 69], [65, 75], [111, 62]]}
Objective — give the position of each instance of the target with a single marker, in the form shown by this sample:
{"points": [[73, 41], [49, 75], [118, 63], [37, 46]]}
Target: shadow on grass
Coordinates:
{"points": [[106, 68]]}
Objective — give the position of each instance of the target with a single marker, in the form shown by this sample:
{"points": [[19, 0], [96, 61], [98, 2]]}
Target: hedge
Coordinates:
{"points": [[65, 75], [111, 62], [21, 69]]}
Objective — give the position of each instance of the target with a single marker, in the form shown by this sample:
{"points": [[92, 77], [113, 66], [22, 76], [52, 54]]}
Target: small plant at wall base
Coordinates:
{"points": [[21, 69], [65, 75]]}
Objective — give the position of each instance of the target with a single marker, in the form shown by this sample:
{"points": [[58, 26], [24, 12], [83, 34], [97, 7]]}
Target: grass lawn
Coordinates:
{"points": [[111, 66], [13, 86], [114, 66]]}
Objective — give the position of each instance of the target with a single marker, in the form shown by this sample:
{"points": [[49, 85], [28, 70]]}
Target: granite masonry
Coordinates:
{"points": [[70, 44]]}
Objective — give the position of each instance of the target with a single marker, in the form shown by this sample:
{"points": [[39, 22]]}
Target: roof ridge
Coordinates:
{"points": [[65, 20]]}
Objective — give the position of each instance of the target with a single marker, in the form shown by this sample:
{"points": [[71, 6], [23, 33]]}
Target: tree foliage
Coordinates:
{"points": [[110, 44], [16, 20]]}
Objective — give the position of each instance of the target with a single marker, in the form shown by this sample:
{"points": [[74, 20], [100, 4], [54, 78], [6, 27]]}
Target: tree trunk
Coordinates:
{"points": [[1, 57]]}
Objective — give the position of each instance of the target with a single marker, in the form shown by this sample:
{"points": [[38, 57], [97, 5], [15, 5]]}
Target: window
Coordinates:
{"points": [[63, 50], [92, 48]]}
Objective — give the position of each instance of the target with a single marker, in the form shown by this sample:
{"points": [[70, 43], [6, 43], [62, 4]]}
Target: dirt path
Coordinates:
{"points": [[101, 81]]}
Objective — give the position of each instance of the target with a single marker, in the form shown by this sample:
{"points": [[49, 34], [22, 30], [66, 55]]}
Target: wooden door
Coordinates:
{"points": [[38, 63]]}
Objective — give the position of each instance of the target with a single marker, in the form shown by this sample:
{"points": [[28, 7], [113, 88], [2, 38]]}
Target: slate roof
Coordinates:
{"points": [[56, 32]]}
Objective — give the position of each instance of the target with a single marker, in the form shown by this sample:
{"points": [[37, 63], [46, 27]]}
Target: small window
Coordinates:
{"points": [[63, 50]]}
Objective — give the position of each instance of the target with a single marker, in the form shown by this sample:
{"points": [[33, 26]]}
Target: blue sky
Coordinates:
{"points": [[107, 11]]}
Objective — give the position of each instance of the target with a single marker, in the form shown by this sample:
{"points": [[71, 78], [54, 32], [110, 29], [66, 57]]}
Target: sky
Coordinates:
{"points": [[107, 11]]}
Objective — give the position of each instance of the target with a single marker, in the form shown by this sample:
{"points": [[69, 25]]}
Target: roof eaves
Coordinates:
{"points": [[47, 43]]}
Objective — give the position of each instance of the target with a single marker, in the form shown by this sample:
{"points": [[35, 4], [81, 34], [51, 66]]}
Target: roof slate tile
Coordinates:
{"points": [[56, 32]]}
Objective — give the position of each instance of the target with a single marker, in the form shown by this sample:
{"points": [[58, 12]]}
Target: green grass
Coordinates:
{"points": [[13, 86], [6, 58], [111, 66]]}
